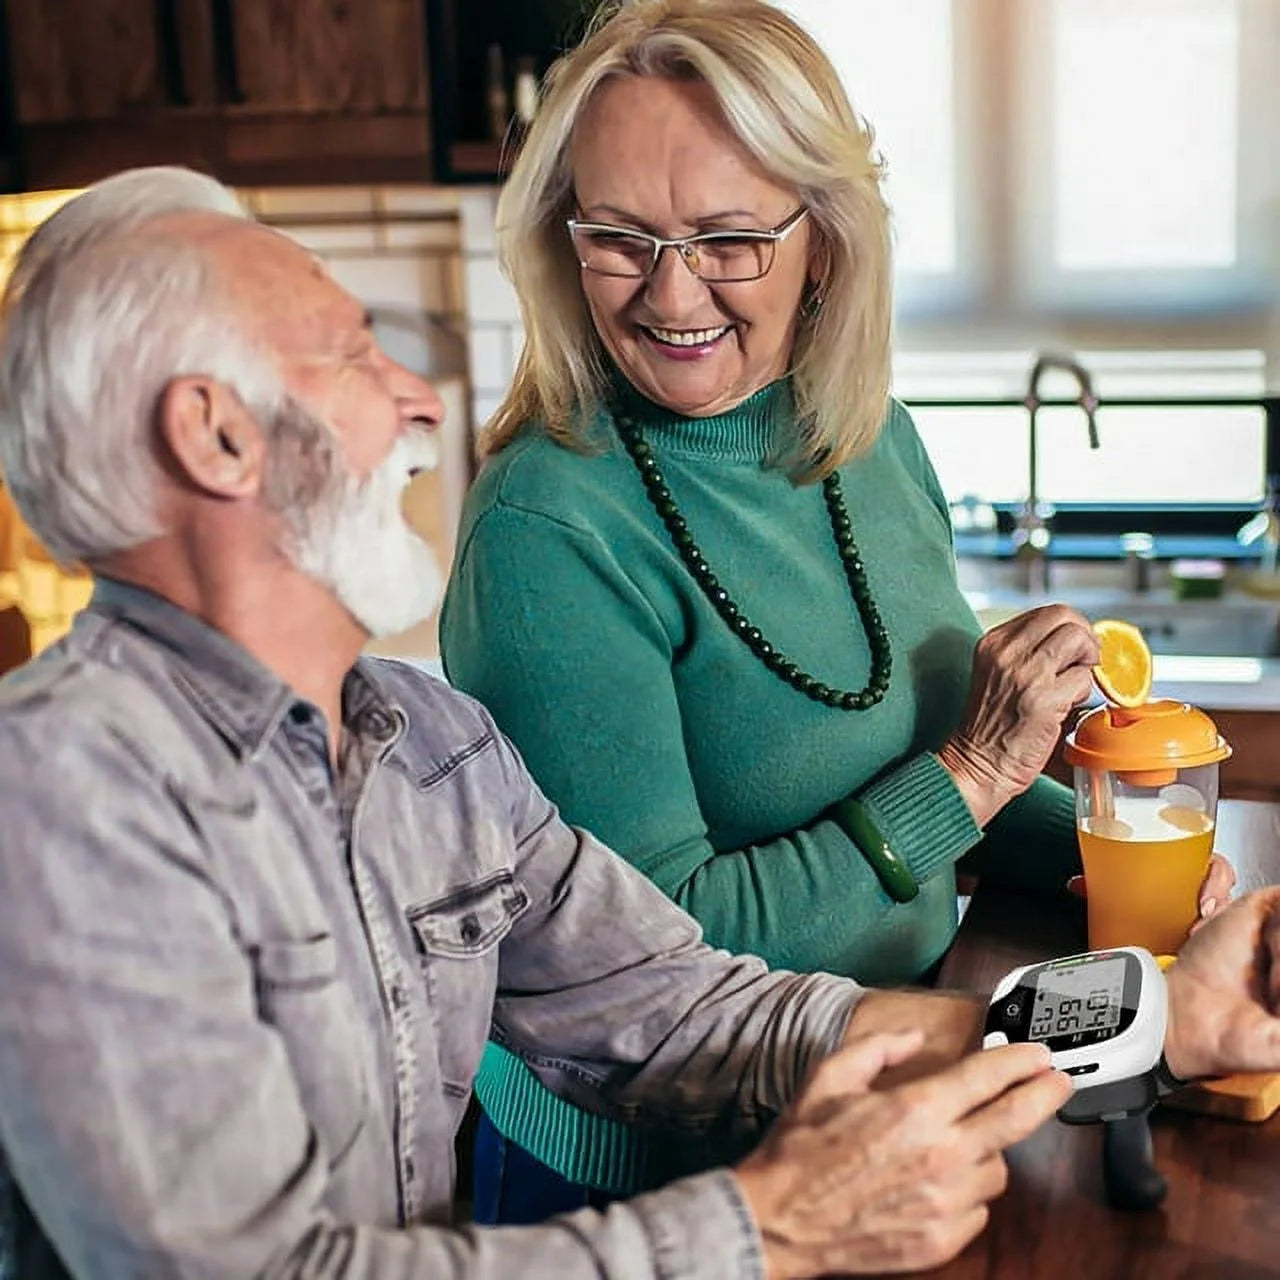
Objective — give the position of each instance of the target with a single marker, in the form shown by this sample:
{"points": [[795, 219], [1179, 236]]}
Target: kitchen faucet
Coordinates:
{"points": [[1031, 528]]}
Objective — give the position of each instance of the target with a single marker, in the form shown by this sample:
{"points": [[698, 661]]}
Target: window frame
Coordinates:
{"points": [[1107, 521]]}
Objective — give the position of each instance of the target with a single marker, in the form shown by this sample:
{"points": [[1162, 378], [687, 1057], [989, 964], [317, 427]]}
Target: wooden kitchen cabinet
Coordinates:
{"points": [[253, 91], [83, 61], [8, 125], [321, 56], [328, 90], [471, 145]]}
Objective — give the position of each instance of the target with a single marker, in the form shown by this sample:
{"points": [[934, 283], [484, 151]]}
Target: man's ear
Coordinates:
{"points": [[214, 443]]}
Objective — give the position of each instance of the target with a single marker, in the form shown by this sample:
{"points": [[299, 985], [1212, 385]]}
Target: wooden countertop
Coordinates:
{"points": [[1221, 1218]]}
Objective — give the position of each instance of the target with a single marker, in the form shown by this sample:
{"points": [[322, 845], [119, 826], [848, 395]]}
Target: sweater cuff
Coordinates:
{"points": [[922, 814]]}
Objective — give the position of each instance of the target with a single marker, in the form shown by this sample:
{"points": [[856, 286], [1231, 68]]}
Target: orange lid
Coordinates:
{"points": [[1158, 735]]}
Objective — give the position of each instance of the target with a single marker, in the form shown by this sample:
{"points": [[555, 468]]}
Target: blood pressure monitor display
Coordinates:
{"points": [[1072, 1003], [1086, 997], [1103, 1016]]}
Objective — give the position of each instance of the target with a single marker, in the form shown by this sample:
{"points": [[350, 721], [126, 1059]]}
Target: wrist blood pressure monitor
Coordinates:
{"points": [[1102, 1015]]}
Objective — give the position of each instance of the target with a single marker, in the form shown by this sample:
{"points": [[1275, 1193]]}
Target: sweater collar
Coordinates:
{"points": [[750, 432]]}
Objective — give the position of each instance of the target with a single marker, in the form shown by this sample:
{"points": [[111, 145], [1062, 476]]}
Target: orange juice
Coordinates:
{"points": [[1143, 868]]}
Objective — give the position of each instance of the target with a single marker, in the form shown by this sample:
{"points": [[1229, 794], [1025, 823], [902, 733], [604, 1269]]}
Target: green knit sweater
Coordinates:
{"points": [[570, 614]]}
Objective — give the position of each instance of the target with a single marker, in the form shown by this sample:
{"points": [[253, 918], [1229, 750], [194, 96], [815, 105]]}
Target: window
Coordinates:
{"points": [[1157, 445], [1056, 158], [872, 44], [1143, 175], [1094, 176], [1150, 191], [1063, 165], [1148, 455]]}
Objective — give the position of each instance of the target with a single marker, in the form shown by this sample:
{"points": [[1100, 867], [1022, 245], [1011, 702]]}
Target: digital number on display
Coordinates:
{"points": [[1086, 997]]}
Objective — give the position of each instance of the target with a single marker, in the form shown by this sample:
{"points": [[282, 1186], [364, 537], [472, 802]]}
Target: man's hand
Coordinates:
{"points": [[854, 1180], [950, 1022], [1224, 992]]}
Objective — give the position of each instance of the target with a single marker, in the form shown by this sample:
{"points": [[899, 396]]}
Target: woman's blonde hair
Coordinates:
{"points": [[782, 98]]}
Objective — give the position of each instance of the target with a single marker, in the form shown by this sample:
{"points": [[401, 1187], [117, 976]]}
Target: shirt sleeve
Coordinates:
{"points": [[645, 1021], [150, 1116]]}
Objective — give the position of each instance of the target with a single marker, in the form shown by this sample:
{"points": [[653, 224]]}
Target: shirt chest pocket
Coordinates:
{"points": [[302, 997], [458, 937]]}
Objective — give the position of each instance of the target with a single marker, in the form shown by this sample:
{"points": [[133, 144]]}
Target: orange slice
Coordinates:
{"points": [[1123, 672]]}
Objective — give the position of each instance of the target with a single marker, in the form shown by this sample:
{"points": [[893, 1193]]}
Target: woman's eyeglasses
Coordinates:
{"points": [[718, 257]]}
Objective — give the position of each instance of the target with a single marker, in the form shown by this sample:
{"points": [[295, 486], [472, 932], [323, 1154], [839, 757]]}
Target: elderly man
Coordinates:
{"points": [[262, 901]]}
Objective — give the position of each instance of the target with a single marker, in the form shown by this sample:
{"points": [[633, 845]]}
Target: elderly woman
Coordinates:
{"points": [[706, 581]]}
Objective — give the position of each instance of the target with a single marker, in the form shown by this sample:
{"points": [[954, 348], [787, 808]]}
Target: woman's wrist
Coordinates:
{"points": [[895, 876], [984, 792]]}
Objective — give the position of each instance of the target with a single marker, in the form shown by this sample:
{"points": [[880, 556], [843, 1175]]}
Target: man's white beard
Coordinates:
{"points": [[356, 541]]}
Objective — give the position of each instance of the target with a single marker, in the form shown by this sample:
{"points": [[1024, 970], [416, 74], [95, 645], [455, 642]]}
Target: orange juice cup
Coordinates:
{"points": [[1146, 786]]}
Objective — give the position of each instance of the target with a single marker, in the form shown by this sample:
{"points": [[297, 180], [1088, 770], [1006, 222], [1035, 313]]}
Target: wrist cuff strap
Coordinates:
{"points": [[894, 874], [1166, 1081], [1122, 1099]]}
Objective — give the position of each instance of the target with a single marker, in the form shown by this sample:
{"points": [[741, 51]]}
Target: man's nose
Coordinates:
{"points": [[416, 398]]}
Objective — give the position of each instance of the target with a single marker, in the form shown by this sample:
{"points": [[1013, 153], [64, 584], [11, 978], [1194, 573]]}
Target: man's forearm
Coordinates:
{"points": [[950, 1020]]}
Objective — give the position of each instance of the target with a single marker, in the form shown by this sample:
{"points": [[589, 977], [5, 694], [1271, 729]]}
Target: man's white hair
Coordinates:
{"points": [[99, 317]]}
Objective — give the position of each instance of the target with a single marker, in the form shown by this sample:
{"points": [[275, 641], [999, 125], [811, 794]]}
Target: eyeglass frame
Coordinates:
{"points": [[685, 244]]}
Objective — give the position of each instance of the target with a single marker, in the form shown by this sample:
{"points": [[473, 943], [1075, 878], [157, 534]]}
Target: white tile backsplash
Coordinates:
{"points": [[478, 210], [496, 334], [489, 294], [490, 358], [484, 405], [334, 237], [409, 200], [456, 282], [270, 203], [439, 234], [393, 281]]}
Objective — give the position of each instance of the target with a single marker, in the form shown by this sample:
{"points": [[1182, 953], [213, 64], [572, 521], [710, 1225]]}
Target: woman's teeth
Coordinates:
{"points": [[688, 337]]}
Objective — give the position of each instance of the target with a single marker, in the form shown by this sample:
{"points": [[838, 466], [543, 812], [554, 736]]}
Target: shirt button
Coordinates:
{"points": [[409, 1171], [300, 713], [399, 997], [470, 928]]}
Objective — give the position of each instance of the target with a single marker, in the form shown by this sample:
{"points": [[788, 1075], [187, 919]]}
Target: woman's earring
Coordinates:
{"points": [[811, 307]]}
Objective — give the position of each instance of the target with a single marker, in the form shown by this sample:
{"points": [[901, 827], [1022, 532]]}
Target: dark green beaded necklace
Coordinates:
{"points": [[777, 662]]}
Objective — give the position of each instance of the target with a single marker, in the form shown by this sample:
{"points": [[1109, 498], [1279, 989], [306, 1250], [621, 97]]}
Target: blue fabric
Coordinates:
{"points": [[513, 1188]]}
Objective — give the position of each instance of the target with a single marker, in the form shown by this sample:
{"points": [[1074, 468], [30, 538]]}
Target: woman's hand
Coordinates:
{"points": [[1028, 673], [1215, 888]]}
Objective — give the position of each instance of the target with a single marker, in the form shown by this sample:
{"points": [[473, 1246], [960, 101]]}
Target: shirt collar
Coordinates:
{"points": [[243, 698]]}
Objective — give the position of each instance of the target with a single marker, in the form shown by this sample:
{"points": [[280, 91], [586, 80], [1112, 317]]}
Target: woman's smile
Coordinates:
{"points": [[685, 344]]}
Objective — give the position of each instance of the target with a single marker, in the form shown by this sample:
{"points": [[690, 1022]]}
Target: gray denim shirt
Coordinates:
{"points": [[243, 993]]}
